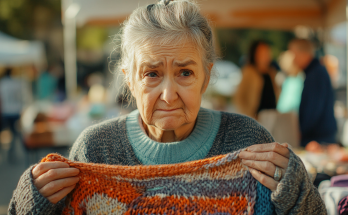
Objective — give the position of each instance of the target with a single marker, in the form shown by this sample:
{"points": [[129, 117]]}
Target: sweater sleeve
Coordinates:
{"points": [[26, 198], [296, 193]]}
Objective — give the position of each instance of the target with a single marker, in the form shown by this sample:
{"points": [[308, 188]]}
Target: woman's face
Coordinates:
{"points": [[263, 57], [168, 85]]}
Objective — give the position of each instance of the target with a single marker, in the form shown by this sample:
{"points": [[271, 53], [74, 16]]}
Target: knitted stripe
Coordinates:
{"points": [[263, 200], [217, 185]]}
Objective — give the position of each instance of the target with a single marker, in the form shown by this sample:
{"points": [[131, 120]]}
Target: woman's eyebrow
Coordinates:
{"points": [[185, 63], [151, 65]]}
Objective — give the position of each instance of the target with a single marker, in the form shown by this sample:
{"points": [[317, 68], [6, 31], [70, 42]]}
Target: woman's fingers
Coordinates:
{"points": [[263, 166], [264, 179], [273, 157], [57, 185], [281, 149], [60, 194], [41, 168], [55, 180], [54, 174]]}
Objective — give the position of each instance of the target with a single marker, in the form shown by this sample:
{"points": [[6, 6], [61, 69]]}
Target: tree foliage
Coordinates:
{"points": [[19, 17], [234, 43]]}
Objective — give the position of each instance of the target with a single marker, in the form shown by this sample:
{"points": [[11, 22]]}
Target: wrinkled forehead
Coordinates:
{"points": [[156, 52]]}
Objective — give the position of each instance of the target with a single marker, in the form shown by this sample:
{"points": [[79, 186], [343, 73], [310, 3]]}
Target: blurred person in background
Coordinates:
{"points": [[292, 86], [167, 58], [316, 114], [47, 84], [14, 95], [258, 90], [331, 64]]}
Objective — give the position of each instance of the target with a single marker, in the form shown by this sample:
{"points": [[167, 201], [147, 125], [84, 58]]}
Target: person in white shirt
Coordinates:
{"points": [[14, 94]]}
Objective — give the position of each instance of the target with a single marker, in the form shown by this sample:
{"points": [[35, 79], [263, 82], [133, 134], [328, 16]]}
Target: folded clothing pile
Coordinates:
{"points": [[334, 192]]}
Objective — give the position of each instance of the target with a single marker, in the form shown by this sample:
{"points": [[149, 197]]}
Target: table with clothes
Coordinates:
{"points": [[328, 167], [50, 125]]}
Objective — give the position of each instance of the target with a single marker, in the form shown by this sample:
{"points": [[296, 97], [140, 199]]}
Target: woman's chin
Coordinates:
{"points": [[169, 123]]}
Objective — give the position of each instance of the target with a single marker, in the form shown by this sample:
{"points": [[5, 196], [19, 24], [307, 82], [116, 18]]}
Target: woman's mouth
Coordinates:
{"points": [[168, 110]]}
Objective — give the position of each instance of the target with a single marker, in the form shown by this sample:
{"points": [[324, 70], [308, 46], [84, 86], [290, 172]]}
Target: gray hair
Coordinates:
{"points": [[166, 22]]}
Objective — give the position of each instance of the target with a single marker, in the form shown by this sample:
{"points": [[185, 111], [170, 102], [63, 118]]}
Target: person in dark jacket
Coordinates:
{"points": [[317, 120]]}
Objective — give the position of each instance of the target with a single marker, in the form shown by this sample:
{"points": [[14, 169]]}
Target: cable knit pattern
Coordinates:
{"points": [[107, 143], [217, 185]]}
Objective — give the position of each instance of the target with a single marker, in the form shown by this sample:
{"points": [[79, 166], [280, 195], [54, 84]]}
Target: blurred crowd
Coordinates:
{"points": [[296, 102], [306, 90]]}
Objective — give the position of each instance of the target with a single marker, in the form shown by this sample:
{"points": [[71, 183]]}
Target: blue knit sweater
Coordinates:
{"points": [[196, 146]]}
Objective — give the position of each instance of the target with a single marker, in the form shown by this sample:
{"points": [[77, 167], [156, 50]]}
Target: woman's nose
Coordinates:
{"points": [[169, 92]]}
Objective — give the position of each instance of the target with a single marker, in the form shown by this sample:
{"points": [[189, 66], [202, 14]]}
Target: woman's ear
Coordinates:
{"points": [[207, 79]]}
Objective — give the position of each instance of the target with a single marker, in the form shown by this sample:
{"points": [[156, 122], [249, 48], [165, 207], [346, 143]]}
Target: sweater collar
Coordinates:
{"points": [[199, 141]]}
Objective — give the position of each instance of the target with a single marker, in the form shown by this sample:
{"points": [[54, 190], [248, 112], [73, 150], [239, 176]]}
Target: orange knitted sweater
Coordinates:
{"points": [[217, 185]]}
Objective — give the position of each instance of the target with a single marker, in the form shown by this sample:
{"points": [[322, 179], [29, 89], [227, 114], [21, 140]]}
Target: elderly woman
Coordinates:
{"points": [[167, 58]]}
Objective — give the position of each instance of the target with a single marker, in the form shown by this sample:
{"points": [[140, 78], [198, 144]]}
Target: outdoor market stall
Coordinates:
{"points": [[266, 14], [15, 52]]}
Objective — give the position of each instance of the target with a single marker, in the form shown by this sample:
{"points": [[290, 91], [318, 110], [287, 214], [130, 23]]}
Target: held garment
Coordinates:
{"points": [[217, 185]]}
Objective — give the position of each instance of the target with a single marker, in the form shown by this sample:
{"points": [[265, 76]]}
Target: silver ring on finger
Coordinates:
{"points": [[277, 174]]}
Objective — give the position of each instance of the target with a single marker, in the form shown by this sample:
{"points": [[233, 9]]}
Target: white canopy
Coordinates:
{"points": [[15, 52]]}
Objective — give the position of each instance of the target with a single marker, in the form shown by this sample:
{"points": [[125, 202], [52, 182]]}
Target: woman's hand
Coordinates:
{"points": [[262, 160], [55, 180]]}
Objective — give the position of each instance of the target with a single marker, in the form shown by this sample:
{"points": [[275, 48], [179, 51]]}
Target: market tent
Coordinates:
{"points": [[271, 14], [15, 52]]}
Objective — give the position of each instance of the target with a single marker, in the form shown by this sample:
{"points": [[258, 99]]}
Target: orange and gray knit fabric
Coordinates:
{"points": [[217, 185]]}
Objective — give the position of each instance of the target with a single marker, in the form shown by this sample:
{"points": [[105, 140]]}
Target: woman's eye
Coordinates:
{"points": [[186, 73], [151, 74]]}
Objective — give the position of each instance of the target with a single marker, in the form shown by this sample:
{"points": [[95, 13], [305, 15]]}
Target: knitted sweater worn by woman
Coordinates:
{"points": [[122, 141]]}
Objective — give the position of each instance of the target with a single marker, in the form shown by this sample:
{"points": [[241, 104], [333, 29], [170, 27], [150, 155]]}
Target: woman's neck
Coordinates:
{"points": [[168, 136]]}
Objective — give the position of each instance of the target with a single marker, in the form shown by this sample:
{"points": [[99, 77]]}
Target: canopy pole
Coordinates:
{"points": [[70, 11]]}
